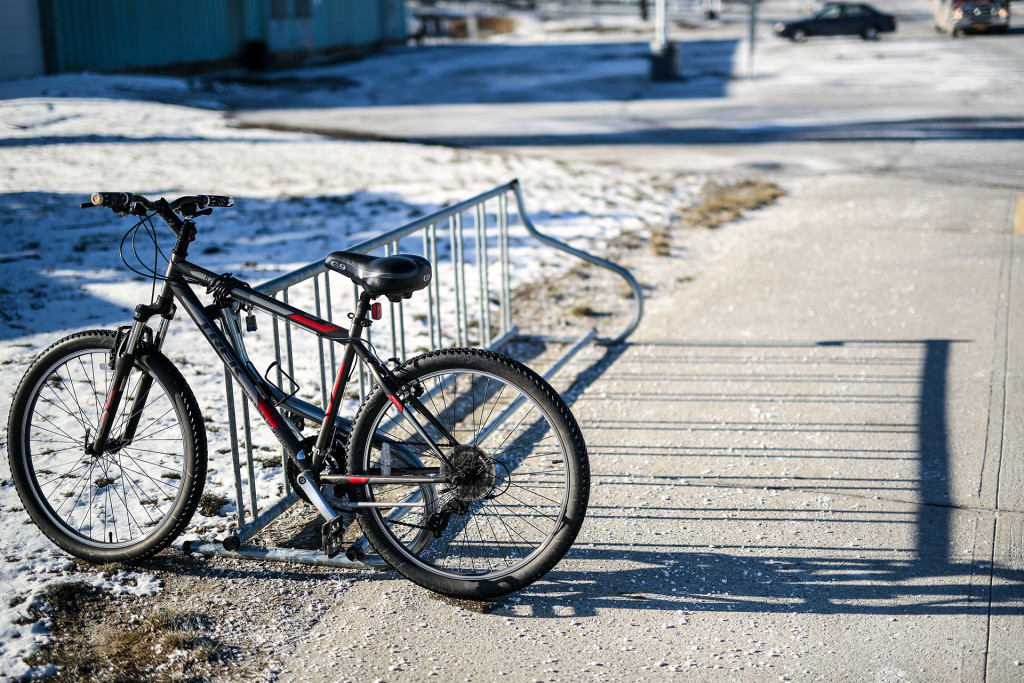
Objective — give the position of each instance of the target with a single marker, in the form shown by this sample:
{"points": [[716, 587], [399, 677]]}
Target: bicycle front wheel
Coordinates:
{"points": [[514, 465], [130, 501]]}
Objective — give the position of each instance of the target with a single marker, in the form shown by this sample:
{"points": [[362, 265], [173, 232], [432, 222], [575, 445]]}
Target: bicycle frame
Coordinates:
{"points": [[266, 397], [109, 453]]}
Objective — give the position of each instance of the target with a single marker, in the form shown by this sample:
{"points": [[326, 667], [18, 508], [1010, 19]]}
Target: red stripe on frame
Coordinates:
{"points": [[268, 414], [358, 480], [318, 326], [337, 383], [398, 404]]}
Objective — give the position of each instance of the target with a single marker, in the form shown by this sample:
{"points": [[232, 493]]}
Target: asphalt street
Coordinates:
{"points": [[807, 459]]}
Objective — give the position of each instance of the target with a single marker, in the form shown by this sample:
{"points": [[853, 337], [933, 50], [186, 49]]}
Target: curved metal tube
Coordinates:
{"points": [[317, 267], [638, 310]]}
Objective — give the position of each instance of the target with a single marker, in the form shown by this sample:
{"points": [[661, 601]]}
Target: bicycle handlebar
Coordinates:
{"points": [[190, 206], [126, 201]]}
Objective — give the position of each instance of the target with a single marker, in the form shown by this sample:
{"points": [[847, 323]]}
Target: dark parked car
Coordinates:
{"points": [[839, 19]]}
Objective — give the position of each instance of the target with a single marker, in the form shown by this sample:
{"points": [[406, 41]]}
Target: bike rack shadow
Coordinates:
{"points": [[873, 497], [681, 572]]}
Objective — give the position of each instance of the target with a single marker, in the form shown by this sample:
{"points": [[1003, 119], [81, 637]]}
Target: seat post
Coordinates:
{"points": [[355, 331]]}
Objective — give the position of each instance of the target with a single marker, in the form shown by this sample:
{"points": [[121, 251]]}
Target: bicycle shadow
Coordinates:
{"points": [[716, 582]]}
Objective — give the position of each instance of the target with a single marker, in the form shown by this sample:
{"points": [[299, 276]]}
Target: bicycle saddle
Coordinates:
{"points": [[396, 277]]}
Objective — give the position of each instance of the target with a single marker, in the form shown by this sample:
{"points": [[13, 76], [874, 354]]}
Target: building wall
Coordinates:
{"points": [[21, 45], [115, 35], [111, 35]]}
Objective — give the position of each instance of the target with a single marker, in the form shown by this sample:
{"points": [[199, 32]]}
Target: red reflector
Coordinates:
{"points": [[376, 311]]}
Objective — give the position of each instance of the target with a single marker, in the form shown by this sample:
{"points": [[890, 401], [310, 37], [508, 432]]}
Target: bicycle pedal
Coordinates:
{"points": [[333, 532]]}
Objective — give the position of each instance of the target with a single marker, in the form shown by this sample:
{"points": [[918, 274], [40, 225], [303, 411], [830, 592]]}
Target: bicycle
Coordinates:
{"points": [[465, 470]]}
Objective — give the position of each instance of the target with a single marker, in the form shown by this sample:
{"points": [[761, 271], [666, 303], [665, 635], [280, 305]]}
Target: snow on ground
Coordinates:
{"points": [[298, 198]]}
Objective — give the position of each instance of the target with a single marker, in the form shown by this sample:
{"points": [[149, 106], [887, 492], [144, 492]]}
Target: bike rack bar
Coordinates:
{"points": [[292, 555], [462, 241]]}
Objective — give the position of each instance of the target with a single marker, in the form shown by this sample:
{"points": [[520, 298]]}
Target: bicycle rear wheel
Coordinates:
{"points": [[131, 501], [517, 453]]}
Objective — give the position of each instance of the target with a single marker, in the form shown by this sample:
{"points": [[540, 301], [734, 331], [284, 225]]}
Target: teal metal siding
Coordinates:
{"points": [[112, 35], [107, 35], [254, 19], [349, 23]]}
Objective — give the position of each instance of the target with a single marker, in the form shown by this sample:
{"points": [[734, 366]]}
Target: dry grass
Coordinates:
{"points": [[89, 650], [210, 504], [721, 204], [269, 461], [660, 243], [496, 25], [625, 241], [485, 26]]}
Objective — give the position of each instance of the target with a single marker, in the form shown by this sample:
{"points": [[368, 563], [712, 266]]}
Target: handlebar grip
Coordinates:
{"points": [[217, 200]]}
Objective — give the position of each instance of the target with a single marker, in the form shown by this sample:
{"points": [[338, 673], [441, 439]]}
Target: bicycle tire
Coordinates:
{"points": [[136, 498], [525, 486]]}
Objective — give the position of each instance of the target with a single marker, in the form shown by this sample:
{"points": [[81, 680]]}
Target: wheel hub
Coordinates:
{"points": [[474, 471]]}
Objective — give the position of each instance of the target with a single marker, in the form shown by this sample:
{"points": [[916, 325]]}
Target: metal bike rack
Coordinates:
{"points": [[468, 303]]}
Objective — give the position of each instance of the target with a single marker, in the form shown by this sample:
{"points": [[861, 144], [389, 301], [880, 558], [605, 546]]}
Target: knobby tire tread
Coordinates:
{"points": [[176, 387], [555, 548]]}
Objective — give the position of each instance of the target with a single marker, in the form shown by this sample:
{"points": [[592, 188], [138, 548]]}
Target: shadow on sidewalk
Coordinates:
{"points": [[777, 477]]}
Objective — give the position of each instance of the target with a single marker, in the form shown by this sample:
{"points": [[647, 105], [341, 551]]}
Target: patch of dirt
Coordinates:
{"points": [[217, 619]]}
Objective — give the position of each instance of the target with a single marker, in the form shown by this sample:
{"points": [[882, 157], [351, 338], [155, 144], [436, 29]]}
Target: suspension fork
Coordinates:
{"points": [[142, 390], [124, 360], [122, 367], [124, 355]]}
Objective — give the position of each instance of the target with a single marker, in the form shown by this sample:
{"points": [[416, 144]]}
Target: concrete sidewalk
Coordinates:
{"points": [[807, 460], [806, 466]]}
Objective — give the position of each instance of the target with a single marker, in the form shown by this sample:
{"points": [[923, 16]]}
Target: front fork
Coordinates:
{"points": [[123, 357]]}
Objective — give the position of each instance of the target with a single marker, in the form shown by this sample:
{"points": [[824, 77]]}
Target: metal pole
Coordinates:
{"points": [[665, 62], [753, 38], [660, 26]]}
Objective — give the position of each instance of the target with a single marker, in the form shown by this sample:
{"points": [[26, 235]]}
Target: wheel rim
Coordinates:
{"points": [[123, 496], [515, 478]]}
